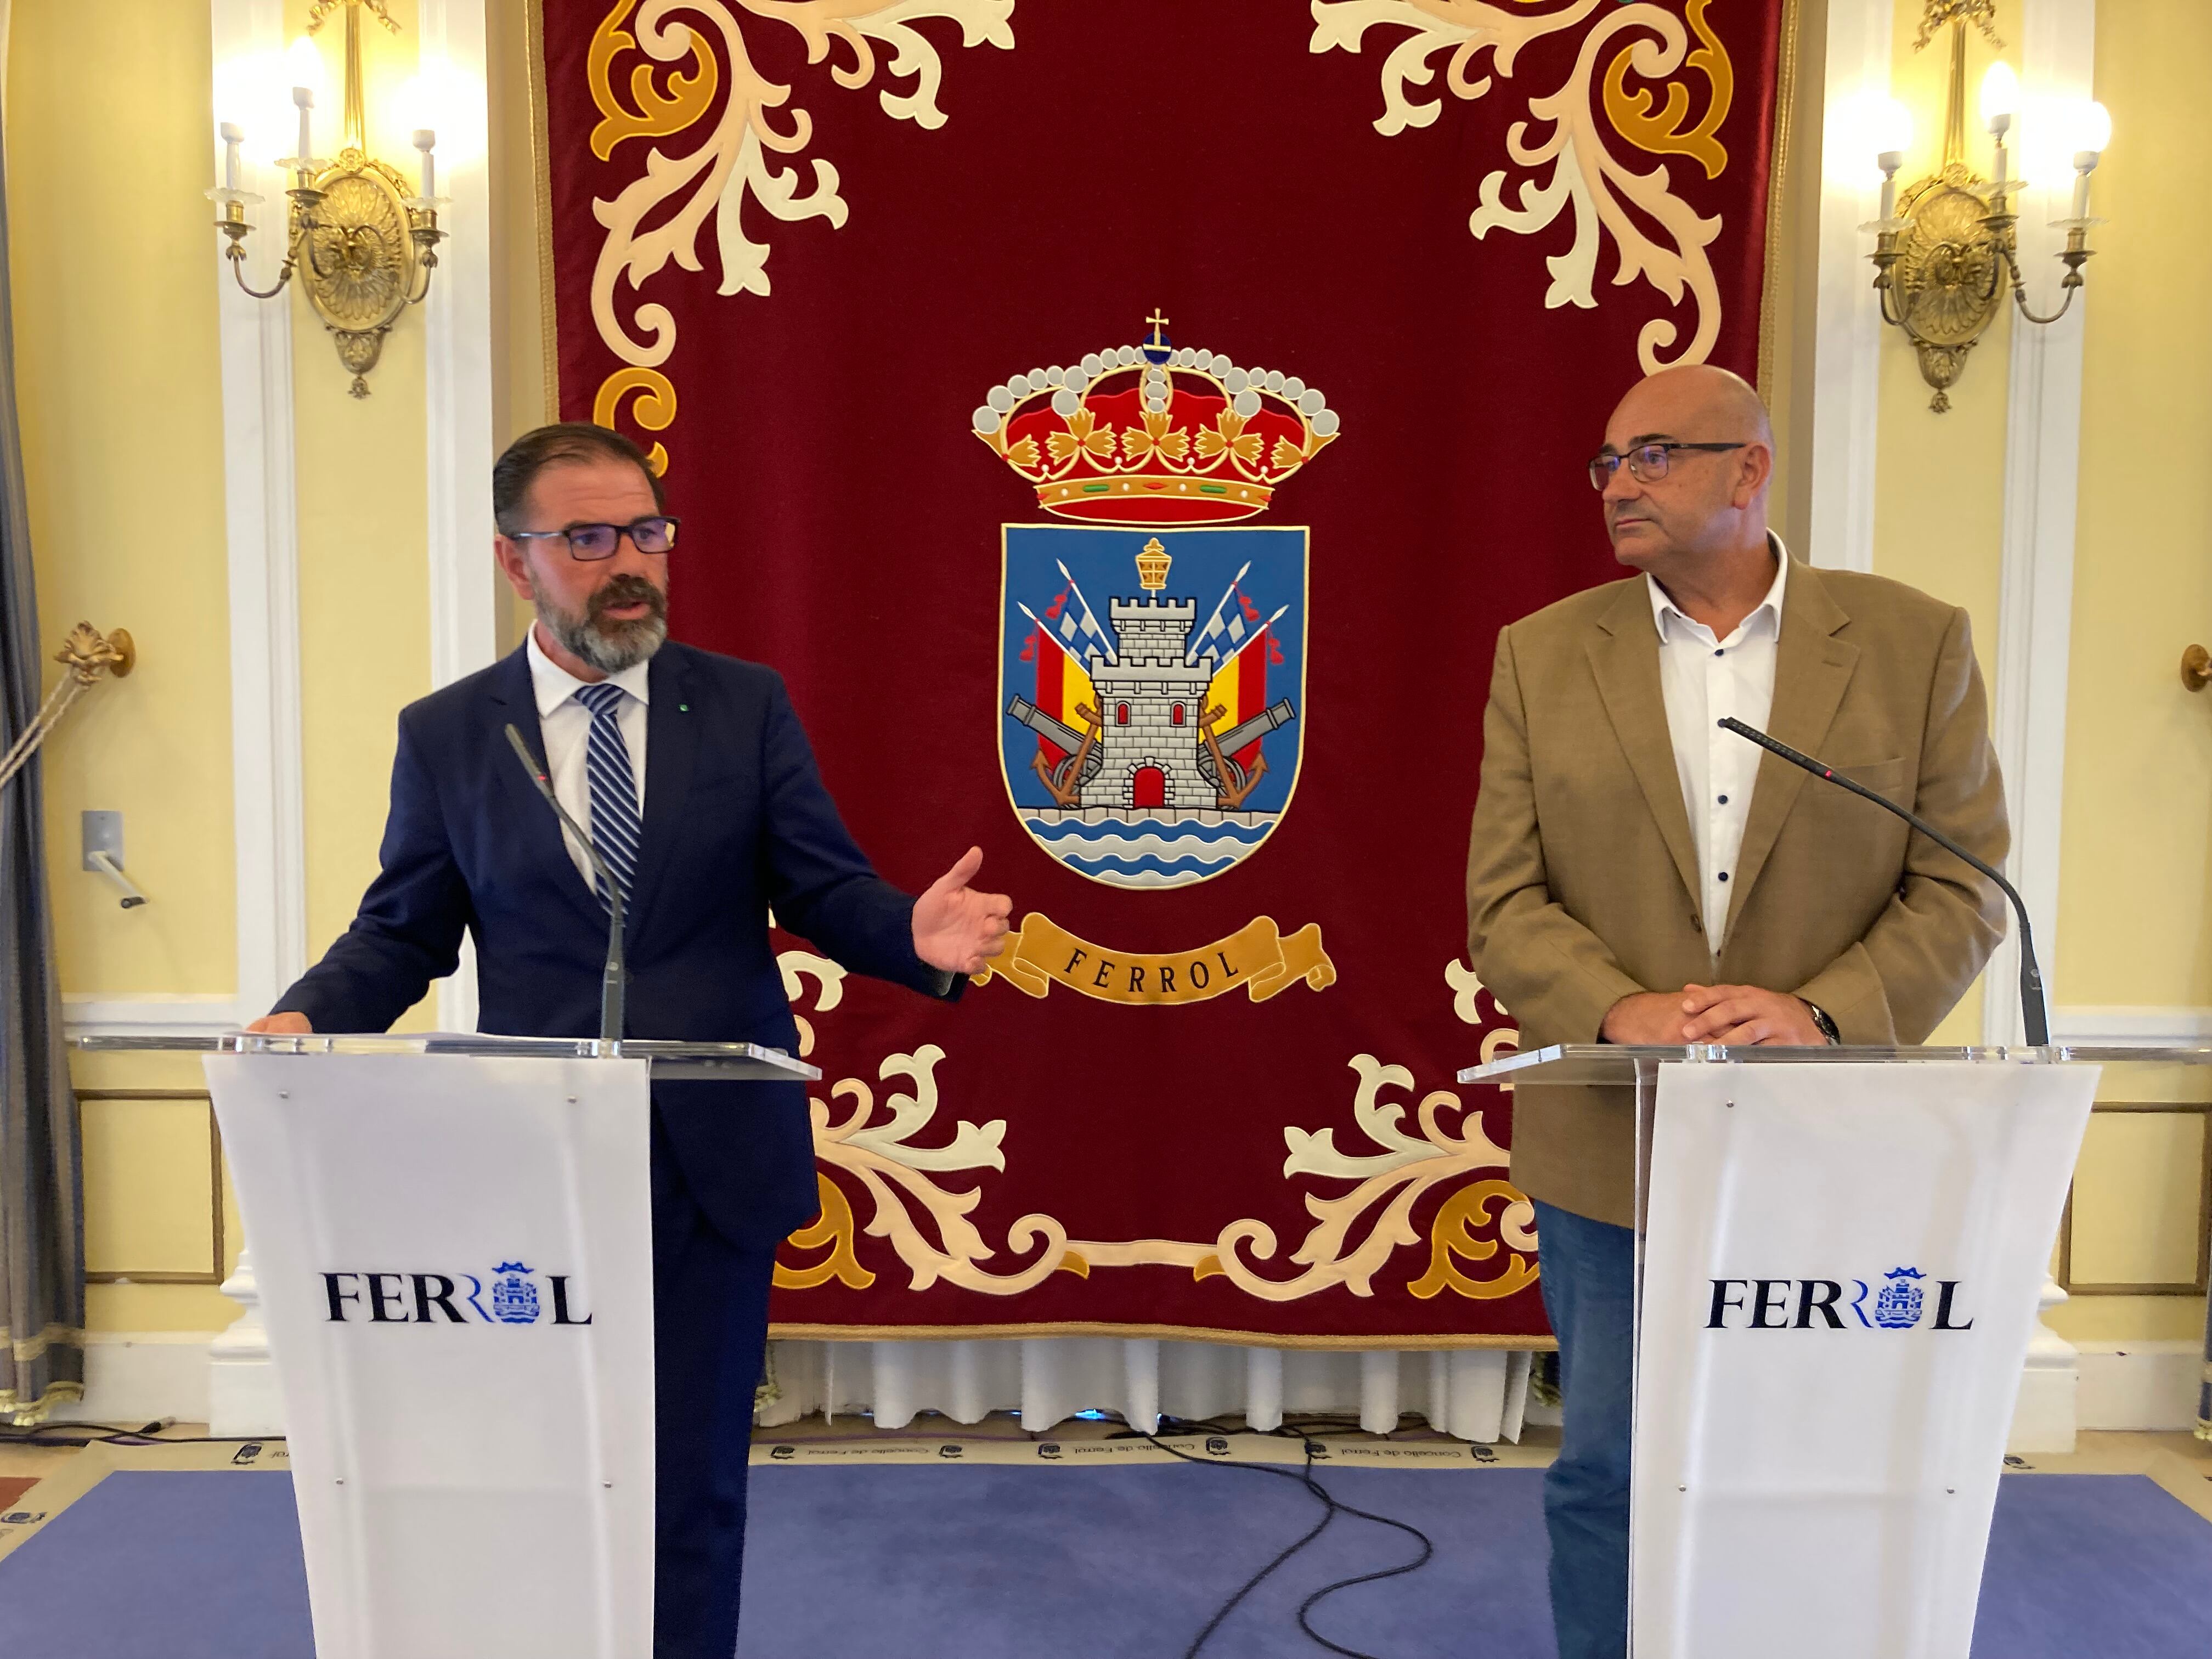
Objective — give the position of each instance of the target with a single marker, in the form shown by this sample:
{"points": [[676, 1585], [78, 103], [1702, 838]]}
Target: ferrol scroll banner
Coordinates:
{"points": [[1256, 959], [456, 1268], [1126, 424], [1841, 1271]]}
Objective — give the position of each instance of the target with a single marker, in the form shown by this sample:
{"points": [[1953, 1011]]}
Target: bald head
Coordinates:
{"points": [[1689, 503], [1697, 403]]}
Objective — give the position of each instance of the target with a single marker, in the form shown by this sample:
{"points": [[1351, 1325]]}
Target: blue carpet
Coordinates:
{"points": [[1129, 1563], [983, 1562], [197, 1564]]}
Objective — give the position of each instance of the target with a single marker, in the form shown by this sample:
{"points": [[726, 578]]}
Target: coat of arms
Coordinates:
{"points": [[514, 1297], [1897, 1306], [1152, 653]]}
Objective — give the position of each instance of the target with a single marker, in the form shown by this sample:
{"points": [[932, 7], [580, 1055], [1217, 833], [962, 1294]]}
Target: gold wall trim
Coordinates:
{"points": [[2129, 1287], [782, 1332], [1777, 184], [541, 159], [214, 1275]]}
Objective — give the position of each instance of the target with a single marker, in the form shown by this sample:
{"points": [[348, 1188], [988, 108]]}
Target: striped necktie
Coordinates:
{"points": [[616, 830]]}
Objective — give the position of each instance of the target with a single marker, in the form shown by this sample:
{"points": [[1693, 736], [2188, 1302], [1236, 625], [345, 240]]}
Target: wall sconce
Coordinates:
{"points": [[362, 245], [1946, 252]]}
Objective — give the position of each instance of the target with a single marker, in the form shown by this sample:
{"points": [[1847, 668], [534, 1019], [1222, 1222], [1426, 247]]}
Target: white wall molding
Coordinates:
{"points": [[240, 1383], [1848, 330], [2043, 443], [150, 1013], [269, 810], [142, 1376], [2045, 1411], [263, 534], [2122, 1027], [458, 387], [2140, 1385]]}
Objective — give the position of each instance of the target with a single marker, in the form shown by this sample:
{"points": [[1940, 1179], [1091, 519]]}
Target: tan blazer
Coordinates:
{"points": [[1582, 878]]}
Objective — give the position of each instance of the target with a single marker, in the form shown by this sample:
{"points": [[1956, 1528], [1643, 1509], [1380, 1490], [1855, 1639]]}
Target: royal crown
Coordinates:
{"points": [[1156, 433]]}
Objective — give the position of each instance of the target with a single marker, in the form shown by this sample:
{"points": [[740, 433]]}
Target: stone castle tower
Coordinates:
{"points": [[1151, 702]]}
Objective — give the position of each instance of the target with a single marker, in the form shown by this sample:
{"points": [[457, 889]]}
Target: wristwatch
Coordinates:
{"points": [[1821, 1018]]}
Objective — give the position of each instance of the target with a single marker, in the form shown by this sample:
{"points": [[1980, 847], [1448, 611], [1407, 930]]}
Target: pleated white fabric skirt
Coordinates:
{"points": [[1475, 1394]]}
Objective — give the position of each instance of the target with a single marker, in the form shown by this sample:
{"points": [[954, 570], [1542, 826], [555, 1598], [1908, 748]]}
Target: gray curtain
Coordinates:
{"points": [[41, 1189]]}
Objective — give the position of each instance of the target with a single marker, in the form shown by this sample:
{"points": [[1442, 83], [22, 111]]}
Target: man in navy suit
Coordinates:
{"points": [[692, 776]]}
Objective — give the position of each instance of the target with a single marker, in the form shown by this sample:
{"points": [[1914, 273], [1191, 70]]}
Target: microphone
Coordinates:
{"points": [[2031, 977], [613, 986]]}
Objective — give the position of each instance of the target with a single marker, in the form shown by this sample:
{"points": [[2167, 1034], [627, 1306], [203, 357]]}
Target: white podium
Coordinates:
{"points": [[454, 1250], [1840, 1257]]}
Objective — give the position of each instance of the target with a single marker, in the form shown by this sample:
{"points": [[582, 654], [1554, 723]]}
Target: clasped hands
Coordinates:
{"points": [[1735, 1015]]}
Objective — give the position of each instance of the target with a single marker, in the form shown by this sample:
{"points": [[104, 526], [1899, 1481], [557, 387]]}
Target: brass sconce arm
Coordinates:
{"points": [[2076, 254]]}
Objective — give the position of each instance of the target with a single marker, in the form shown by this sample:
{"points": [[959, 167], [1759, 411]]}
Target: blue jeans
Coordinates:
{"points": [[1590, 1286]]}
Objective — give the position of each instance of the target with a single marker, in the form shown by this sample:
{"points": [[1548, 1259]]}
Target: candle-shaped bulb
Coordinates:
{"points": [[2085, 163], [304, 62], [233, 136], [426, 141], [303, 98], [2093, 131], [1889, 161]]}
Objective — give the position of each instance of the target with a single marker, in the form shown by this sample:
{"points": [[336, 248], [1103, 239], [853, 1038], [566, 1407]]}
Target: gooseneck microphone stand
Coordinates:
{"points": [[613, 986], [2033, 1018]]}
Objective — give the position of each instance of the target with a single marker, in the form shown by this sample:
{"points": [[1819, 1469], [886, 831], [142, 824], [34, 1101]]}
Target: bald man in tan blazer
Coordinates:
{"points": [[1636, 875]]}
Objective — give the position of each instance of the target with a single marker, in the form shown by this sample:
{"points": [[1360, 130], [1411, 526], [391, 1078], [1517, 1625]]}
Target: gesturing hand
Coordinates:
{"points": [[1739, 1015], [956, 928]]}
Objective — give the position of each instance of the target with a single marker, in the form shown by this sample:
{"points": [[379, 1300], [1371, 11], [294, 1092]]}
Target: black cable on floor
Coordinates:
{"points": [[1332, 1506], [87, 1434]]}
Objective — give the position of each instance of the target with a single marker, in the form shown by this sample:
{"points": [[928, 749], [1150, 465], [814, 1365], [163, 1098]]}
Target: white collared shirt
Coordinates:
{"points": [[566, 727], [1706, 680]]}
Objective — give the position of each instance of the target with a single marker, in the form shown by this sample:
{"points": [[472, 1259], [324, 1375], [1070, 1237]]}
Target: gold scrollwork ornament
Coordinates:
{"points": [[363, 251], [1947, 282]]}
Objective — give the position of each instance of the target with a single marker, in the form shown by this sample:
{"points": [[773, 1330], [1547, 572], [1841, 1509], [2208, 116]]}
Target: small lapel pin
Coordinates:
{"points": [[682, 708]]}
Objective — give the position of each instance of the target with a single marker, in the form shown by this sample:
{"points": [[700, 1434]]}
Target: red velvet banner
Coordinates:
{"points": [[1126, 424]]}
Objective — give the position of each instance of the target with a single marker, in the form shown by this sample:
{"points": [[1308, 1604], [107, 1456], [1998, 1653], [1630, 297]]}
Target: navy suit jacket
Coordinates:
{"points": [[737, 822]]}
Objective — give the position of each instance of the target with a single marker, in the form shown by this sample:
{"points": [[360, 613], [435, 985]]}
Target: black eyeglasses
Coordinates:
{"points": [[1646, 462], [598, 541]]}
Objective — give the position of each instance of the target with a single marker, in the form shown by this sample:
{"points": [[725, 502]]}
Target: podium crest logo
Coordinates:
{"points": [[514, 1297], [1153, 648], [1896, 1305]]}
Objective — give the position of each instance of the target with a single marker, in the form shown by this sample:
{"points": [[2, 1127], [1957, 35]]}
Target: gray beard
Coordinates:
{"points": [[609, 647]]}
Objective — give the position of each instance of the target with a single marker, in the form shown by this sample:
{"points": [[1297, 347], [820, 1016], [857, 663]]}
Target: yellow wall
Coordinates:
{"points": [[364, 574], [2135, 920], [120, 400]]}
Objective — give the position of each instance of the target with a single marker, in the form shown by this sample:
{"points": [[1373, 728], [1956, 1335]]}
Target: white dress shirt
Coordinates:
{"points": [[566, 727], [1706, 680]]}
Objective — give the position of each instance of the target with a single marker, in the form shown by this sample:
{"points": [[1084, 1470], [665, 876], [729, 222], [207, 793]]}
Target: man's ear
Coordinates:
{"points": [[514, 564], [1754, 471]]}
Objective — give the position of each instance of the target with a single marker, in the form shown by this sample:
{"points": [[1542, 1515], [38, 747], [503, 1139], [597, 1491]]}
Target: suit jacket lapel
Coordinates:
{"points": [[513, 701], [1811, 669], [1624, 656], [671, 751]]}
